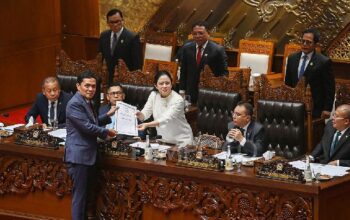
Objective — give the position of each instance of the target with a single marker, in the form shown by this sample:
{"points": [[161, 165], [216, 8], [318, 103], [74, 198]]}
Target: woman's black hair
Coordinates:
{"points": [[160, 74]]}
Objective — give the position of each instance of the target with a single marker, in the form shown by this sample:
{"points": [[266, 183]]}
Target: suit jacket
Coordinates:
{"points": [[82, 132], [341, 150], [214, 55], [255, 137], [318, 75], [40, 107], [128, 48]]}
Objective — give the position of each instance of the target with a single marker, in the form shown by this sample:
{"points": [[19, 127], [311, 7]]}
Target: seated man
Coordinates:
{"points": [[50, 104], [106, 112], [245, 135], [334, 148]]}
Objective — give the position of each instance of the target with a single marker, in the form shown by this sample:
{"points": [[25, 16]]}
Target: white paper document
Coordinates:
{"points": [[242, 157], [60, 133], [126, 119], [324, 169], [154, 146], [12, 127]]}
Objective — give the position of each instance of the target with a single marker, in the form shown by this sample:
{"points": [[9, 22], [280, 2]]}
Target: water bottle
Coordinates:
{"points": [[307, 171], [148, 150]]}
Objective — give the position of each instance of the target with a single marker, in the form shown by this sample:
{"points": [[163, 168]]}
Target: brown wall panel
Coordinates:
{"points": [[29, 38]]}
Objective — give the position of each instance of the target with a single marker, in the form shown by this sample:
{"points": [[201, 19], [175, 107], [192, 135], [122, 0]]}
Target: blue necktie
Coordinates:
{"points": [[334, 143], [302, 68]]}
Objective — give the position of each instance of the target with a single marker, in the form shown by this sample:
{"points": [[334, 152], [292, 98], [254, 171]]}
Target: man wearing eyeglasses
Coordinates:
{"points": [[316, 68], [119, 43], [244, 134], [334, 147], [115, 93]]}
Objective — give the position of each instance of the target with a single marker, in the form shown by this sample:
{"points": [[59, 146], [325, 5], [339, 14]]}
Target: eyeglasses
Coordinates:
{"points": [[236, 114], [116, 93], [115, 22], [306, 42]]}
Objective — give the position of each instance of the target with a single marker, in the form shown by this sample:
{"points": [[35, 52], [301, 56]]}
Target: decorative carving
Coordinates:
{"points": [[162, 38], [327, 16], [234, 83], [23, 175], [340, 47], [66, 66], [124, 194], [342, 92], [153, 66], [137, 77]]}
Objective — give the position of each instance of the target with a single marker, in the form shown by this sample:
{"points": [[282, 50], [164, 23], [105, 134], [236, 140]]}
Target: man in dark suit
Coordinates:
{"points": [[317, 70], [195, 55], [334, 147], [245, 135], [119, 43], [81, 142], [51, 104], [115, 93]]}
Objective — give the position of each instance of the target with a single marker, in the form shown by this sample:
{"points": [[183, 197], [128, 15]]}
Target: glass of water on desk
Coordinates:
{"points": [[54, 124]]}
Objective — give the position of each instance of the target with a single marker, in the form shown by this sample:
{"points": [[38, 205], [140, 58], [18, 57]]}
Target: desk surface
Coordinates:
{"points": [[147, 176]]}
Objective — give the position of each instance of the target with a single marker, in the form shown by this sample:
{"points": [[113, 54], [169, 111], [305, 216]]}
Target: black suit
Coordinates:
{"points": [[320, 78], [128, 48], [255, 140], [214, 55], [341, 151], [41, 104]]}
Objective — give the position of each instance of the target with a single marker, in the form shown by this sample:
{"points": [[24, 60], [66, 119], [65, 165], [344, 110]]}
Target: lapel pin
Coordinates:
{"points": [[311, 63], [121, 41], [206, 55]]}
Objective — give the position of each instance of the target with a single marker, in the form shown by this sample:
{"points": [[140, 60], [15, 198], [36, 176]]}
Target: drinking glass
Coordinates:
{"points": [[239, 164]]}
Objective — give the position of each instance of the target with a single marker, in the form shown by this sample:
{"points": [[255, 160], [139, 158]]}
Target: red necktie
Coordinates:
{"points": [[199, 55]]}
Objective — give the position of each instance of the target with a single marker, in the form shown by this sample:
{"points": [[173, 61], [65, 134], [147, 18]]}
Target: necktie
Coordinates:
{"points": [[334, 143], [91, 108], [302, 68], [52, 111], [114, 43], [199, 55]]}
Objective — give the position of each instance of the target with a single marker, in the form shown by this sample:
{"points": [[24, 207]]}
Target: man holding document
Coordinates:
{"points": [[118, 111]]}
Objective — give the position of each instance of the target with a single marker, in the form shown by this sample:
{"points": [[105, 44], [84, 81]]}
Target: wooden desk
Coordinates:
{"points": [[33, 183]]}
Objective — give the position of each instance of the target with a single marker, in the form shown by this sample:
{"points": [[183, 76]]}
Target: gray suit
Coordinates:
{"points": [[81, 150], [341, 150], [255, 136]]}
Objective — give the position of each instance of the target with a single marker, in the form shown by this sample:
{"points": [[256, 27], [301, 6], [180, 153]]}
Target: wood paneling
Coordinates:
{"points": [[29, 38]]}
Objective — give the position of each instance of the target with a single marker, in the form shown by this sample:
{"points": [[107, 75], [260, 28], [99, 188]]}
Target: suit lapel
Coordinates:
{"points": [[90, 114], [204, 56], [329, 140], [310, 65], [249, 130], [341, 141], [46, 110]]}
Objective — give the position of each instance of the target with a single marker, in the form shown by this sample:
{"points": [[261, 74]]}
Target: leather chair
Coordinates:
{"points": [[159, 45], [300, 94], [136, 95], [214, 111], [284, 126]]}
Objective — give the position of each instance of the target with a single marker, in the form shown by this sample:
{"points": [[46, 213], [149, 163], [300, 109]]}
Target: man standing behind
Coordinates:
{"points": [[195, 55], [119, 43], [334, 147], [245, 135], [317, 70], [50, 104], [81, 142]]}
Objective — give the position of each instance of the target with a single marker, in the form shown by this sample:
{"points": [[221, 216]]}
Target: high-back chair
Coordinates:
{"points": [[159, 46], [256, 55], [217, 97], [285, 113], [342, 92], [153, 66], [67, 71]]}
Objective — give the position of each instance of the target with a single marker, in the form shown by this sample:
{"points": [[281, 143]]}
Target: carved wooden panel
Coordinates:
{"points": [[19, 175], [125, 193], [66, 66], [137, 77], [232, 83], [153, 66], [342, 92]]}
